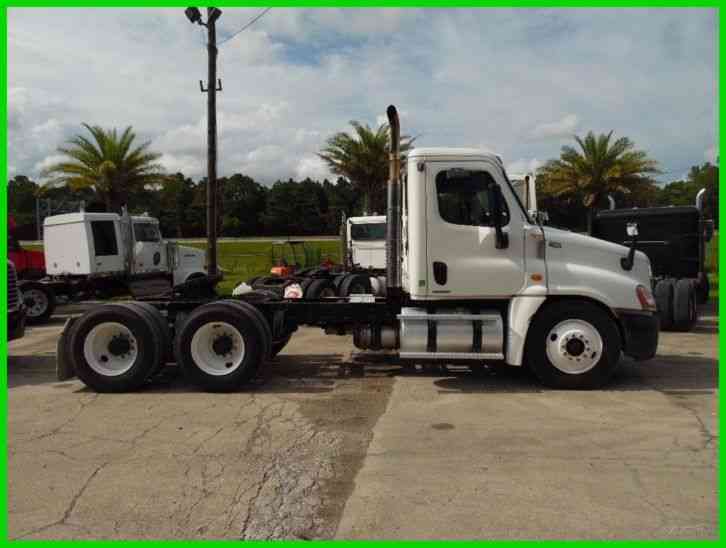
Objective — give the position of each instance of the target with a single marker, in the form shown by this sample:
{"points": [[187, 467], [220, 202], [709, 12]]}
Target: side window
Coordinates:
{"points": [[146, 232], [104, 238], [463, 197], [368, 232]]}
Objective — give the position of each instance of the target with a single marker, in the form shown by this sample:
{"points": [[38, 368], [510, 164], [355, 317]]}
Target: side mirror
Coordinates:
{"points": [[496, 201], [540, 217], [627, 262]]}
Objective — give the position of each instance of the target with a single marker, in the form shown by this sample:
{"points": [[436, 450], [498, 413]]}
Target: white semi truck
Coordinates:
{"points": [[89, 254], [366, 242], [471, 278]]}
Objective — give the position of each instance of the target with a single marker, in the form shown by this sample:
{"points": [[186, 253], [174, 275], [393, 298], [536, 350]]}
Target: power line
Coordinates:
{"points": [[247, 25]]}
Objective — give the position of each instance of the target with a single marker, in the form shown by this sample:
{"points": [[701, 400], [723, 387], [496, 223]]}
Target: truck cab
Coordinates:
{"points": [[108, 244], [366, 241], [470, 277]]}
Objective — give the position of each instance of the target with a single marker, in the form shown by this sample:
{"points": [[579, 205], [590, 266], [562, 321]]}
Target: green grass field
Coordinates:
{"points": [[240, 261], [243, 260], [712, 266]]}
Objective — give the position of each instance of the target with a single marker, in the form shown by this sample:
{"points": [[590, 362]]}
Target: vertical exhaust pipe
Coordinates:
{"points": [[699, 199], [393, 210]]}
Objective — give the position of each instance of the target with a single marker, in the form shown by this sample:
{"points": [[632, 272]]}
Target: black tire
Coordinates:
{"points": [[541, 328], [320, 288], [337, 281], [685, 312], [246, 325], [251, 282], [254, 313], [355, 284], [153, 314], [664, 301], [703, 288], [147, 348], [40, 311]]}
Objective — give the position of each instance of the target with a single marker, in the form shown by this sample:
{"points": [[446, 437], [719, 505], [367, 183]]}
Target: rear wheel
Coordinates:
{"points": [[113, 348], [355, 284], [320, 288], [573, 345], [155, 317], [685, 312], [220, 347], [39, 300], [664, 301]]}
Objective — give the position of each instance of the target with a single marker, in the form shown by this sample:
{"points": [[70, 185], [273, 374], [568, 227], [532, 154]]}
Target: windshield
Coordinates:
{"points": [[146, 232], [368, 232]]}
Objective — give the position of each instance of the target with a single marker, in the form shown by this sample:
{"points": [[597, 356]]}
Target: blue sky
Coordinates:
{"points": [[519, 82]]}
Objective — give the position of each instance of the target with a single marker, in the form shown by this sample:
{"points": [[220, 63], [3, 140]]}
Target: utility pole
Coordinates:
{"points": [[213, 86]]}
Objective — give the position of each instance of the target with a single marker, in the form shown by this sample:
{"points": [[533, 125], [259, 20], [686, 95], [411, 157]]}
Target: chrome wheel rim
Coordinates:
{"points": [[218, 348], [574, 346], [36, 302], [110, 349]]}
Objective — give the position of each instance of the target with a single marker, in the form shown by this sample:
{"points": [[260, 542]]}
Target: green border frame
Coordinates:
{"points": [[323, 4]]}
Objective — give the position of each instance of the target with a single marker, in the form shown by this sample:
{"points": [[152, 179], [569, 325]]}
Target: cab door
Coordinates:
{"points": [[463, 260], [149, 250]]}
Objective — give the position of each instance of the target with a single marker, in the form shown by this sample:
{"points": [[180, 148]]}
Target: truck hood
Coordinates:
{"points": [[598, 254]]}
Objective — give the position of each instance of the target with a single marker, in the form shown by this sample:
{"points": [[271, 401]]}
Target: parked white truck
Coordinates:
{"points": [[366, 242], [471, 278], [90, 254]]}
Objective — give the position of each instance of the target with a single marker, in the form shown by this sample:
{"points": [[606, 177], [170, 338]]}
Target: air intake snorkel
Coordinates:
{"points": [[393, 211]]}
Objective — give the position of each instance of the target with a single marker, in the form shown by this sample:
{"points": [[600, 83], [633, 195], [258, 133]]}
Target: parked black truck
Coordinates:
{"points": [[674, 238]]}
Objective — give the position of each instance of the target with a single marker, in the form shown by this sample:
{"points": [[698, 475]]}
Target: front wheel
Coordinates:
{"points": [[573, 345]]}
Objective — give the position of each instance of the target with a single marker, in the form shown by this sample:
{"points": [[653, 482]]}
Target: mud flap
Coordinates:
{"points": [[63, 366]]}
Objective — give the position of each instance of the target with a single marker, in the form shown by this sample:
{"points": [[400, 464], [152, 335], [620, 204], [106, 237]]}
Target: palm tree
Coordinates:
{"points": [[599, 167], [108, 164], [362, 158]]}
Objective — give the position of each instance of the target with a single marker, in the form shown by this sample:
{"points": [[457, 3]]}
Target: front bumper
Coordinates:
{"points": [[641, 334], [16, 323]]}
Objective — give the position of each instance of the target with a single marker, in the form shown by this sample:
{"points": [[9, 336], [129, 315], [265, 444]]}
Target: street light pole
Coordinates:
{"points": [[212, 16], [213, 86]]}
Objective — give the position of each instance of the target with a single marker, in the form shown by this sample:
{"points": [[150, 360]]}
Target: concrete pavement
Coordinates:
{"points": [[498, 457], [323, 446]]}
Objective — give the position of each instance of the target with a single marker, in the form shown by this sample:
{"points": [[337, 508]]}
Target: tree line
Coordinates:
{"points": [[245, 206], [106, 170]]}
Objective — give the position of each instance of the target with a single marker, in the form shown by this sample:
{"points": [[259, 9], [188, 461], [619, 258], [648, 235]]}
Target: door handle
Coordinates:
{"points": [[440, 272]]}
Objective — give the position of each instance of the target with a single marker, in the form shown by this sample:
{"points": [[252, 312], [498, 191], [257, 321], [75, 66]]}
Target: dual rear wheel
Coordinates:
{"points": [[677, 302], [119, 347]]}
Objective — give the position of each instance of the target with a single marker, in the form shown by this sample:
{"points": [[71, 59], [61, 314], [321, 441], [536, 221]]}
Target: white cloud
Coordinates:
{"points": [[510, 78], [189, 165], [523, 166], [313, 167], [564, 127], [48, 161]]}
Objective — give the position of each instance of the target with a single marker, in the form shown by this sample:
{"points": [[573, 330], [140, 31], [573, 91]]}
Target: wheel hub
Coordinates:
{"points": [[574, 346], [222, 345], [218, 348], [119, 346], [110, 349]]}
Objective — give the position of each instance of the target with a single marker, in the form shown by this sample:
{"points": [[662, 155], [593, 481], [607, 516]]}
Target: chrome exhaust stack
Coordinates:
{"points": [[393, 210]]}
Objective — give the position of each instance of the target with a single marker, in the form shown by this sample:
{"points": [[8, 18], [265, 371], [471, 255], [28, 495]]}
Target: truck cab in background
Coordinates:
{"points": [[366, 242], [108, 244]]}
